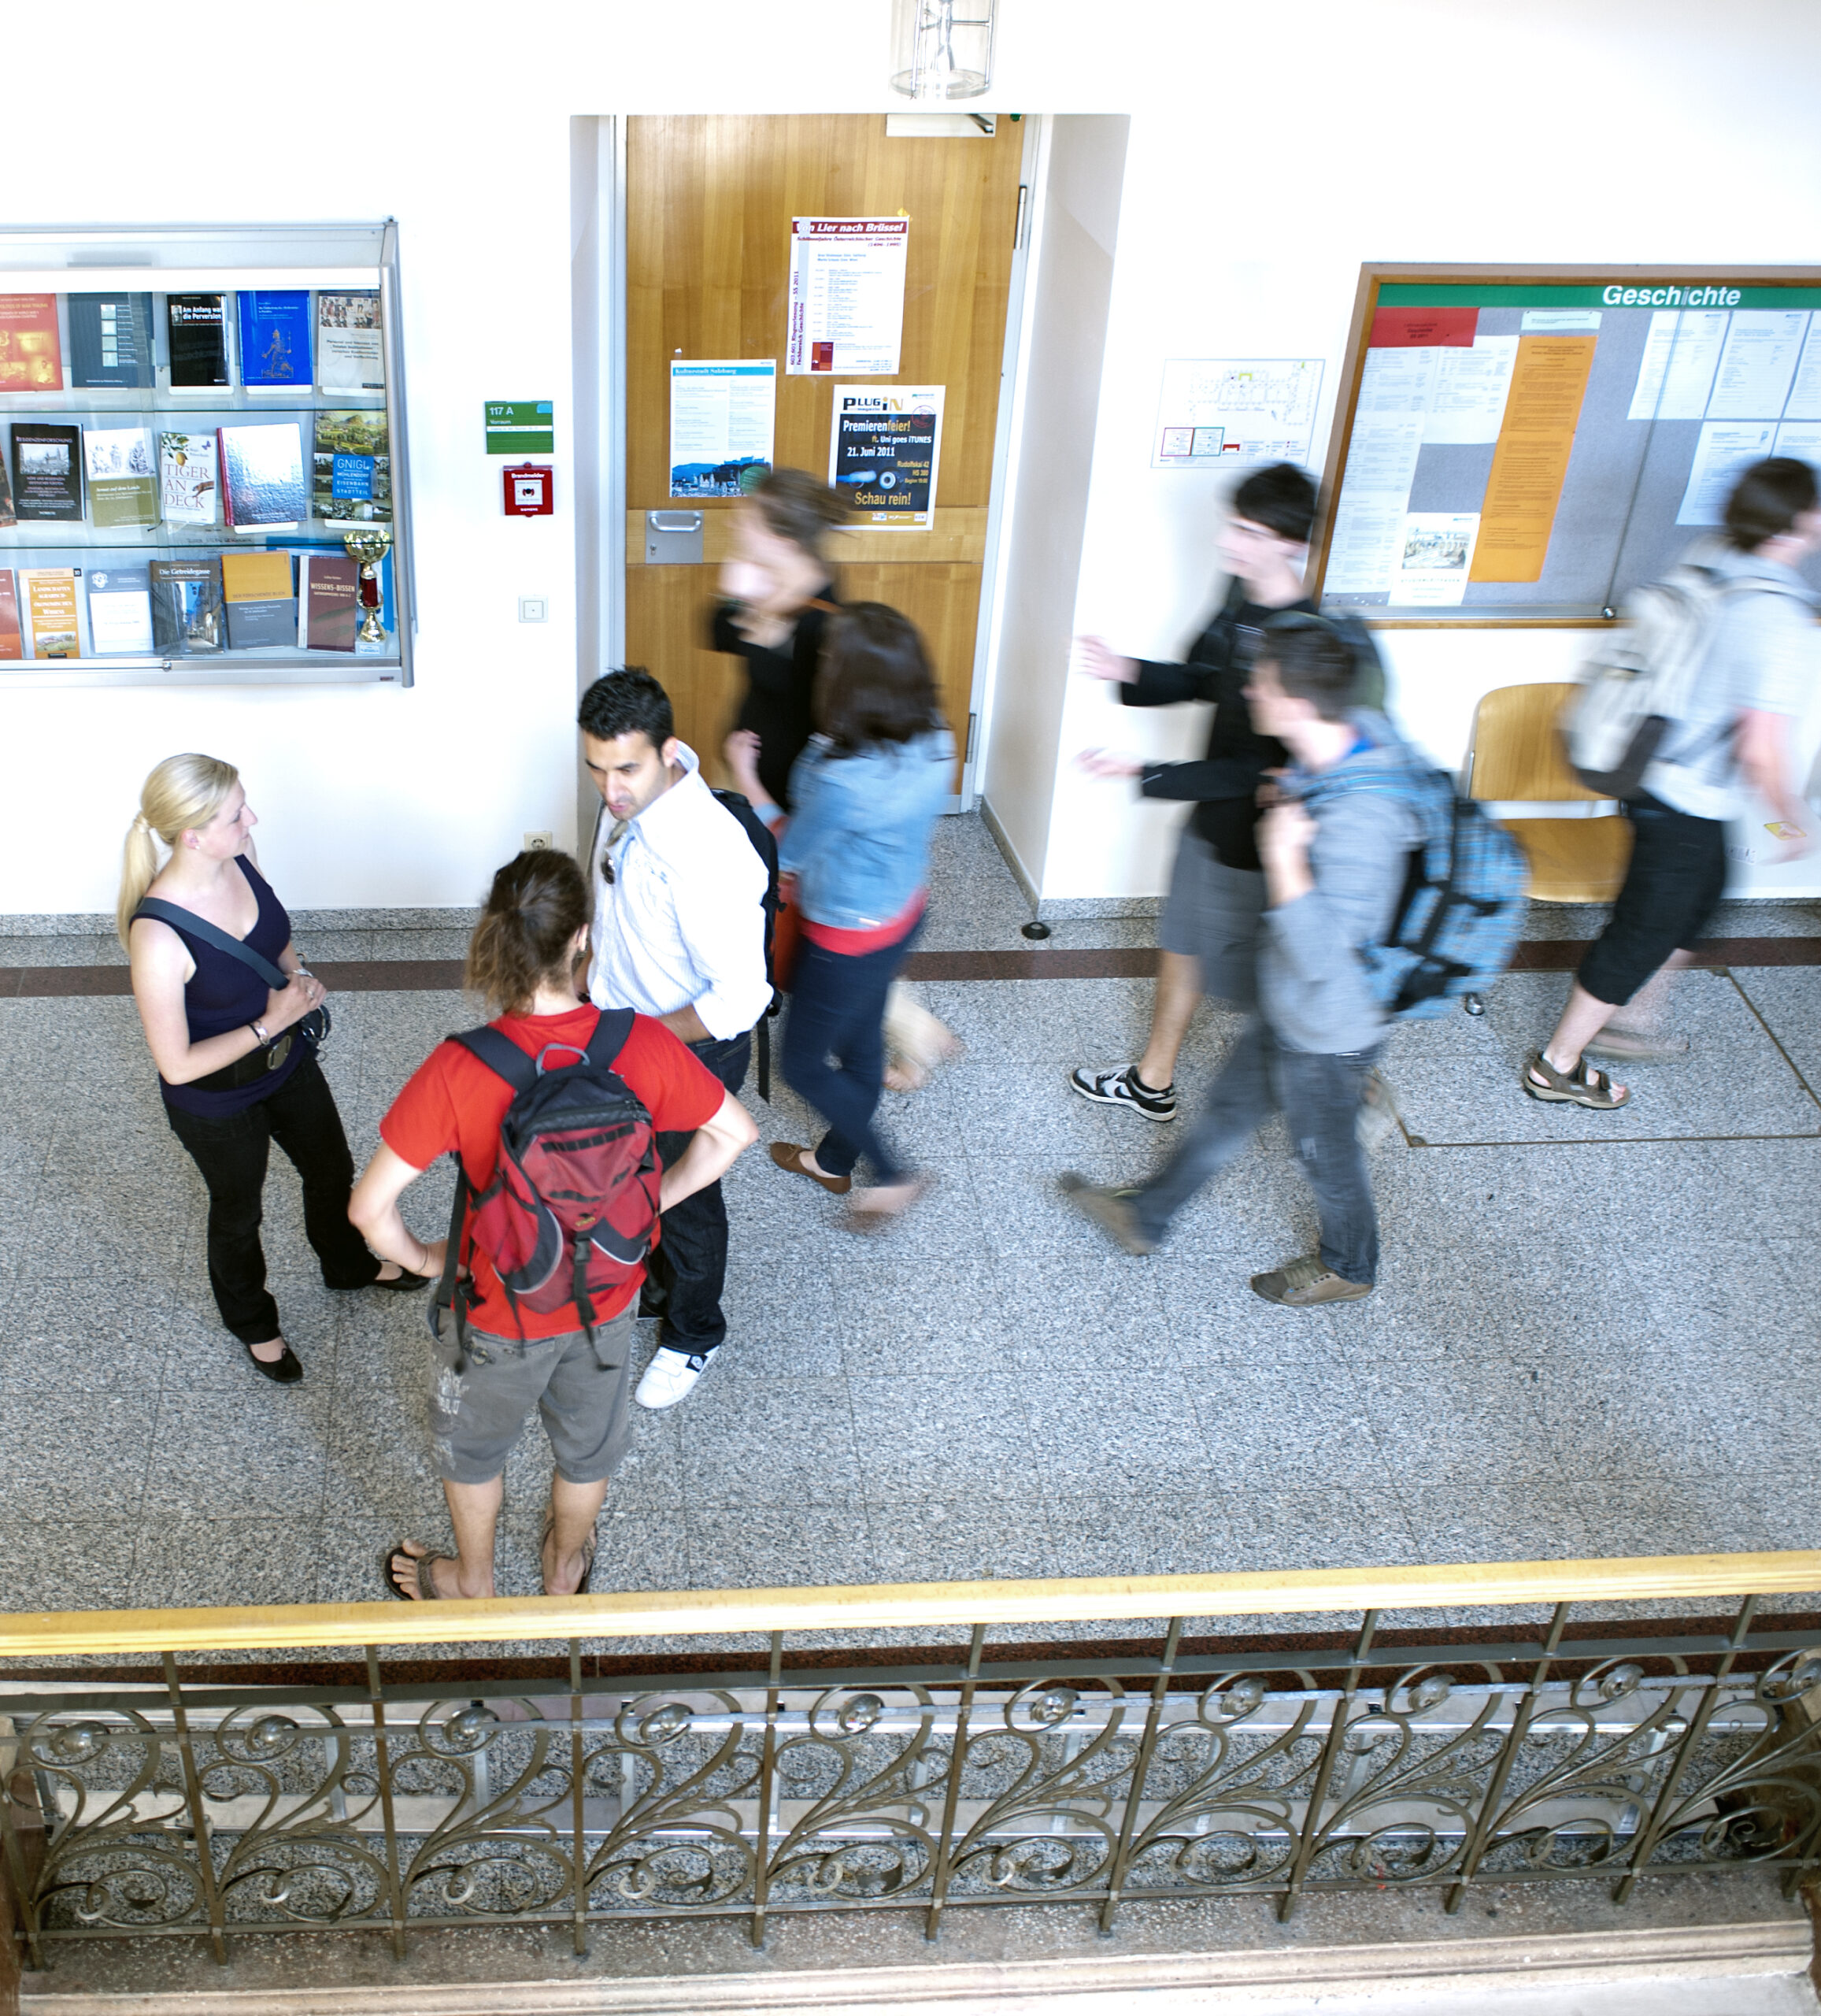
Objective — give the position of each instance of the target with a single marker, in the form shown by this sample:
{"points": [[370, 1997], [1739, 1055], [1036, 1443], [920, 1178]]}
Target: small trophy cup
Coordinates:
{"points": [[368, 545]]}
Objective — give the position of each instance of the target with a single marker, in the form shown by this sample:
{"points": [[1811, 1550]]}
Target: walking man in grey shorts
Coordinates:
{"points": [[1209, 930]]}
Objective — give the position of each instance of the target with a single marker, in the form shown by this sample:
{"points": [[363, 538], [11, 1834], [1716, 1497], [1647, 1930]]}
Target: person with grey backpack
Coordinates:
{"points": [[1686, 721]]}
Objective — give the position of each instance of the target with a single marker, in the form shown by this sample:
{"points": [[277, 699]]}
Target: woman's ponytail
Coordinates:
{"points": [[183, 792]]}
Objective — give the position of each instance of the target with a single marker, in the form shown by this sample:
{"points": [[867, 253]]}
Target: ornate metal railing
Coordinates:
{"points": [[205, 1800]]}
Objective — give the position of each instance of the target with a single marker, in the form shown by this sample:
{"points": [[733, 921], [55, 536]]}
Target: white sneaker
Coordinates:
{"points": [[669, 1377]]}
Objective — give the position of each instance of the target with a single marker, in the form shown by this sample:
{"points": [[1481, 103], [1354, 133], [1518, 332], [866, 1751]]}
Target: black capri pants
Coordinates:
{"points": [[1677, 877]]}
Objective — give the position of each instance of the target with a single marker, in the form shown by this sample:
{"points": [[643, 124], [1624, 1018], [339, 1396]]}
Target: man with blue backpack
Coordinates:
{"points": [[1342, 850]]}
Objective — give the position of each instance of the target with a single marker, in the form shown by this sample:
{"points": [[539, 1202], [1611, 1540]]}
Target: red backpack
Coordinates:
{"points": [[569, 1212]]}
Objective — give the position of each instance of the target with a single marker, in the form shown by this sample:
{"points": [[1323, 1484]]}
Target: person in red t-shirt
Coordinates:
{"points": [[523, 959]]}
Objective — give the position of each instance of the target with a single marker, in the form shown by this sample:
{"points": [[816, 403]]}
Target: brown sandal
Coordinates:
{"points": [[1583, 1086]]}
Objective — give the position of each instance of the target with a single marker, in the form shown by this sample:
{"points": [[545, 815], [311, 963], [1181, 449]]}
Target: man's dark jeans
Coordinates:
{"points": [[1320, 1099], [231, 1150], [689, 1269]]}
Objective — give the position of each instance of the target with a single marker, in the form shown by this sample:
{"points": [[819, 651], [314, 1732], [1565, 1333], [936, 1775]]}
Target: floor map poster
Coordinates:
{"points": [[883, 449], [1241, 411], [846, 303], [1537, 448]]}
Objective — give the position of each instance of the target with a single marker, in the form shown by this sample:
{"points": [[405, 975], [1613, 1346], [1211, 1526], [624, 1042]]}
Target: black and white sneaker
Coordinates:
{"points": [[1126, 1088]]}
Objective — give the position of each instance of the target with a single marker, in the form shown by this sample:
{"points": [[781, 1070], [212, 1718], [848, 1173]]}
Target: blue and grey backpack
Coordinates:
{"points": [[1457, 921]]}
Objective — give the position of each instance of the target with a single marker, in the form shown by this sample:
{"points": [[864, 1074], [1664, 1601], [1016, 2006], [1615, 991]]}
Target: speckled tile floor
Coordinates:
{"points": [[1592, 1336]]}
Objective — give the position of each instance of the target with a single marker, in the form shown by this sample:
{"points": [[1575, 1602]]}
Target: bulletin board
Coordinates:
{"points": [[1526, 445]]}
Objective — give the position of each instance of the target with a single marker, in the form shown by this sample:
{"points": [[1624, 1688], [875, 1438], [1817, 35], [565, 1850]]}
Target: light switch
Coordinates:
{"points": [[533, 609]]}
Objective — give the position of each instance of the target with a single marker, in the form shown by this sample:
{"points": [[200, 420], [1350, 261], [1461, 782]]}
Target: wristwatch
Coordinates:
{"points": [[259, 1030]]}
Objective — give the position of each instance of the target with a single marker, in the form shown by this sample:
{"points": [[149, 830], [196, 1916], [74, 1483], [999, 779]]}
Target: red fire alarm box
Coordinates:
{"points": [[529, 491]]}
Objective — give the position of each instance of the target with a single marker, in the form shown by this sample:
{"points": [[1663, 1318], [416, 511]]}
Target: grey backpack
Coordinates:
{"points": [[1636, 685]]}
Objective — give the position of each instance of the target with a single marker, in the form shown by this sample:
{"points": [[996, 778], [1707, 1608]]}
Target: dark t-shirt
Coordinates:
{"points": [[780, 689], [1224, 784]]}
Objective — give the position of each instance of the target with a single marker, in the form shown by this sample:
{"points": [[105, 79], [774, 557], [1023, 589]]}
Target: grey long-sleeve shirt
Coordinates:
{"points": [[1312, 982]]}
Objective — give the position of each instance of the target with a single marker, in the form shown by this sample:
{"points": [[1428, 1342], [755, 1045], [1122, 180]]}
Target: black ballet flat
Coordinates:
{"points": [[404, 1283], [285, 1371]]}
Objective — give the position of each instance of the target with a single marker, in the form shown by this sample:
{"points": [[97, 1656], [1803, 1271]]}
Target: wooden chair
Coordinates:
{"points": [[1516, 757]]}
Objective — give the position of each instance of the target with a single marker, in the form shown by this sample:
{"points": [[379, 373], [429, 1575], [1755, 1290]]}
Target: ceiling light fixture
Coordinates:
{"points": [[941, 50]]}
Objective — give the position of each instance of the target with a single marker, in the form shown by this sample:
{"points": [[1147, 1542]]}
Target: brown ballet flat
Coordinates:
{"points": [[788, 1155]]}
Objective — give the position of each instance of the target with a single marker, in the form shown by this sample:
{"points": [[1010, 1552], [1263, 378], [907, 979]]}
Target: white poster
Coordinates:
{"points": [[846, 303], [1805, 393], [1364, 550], [1800, 438], [1757, 363], [1724, 448], [1467, 401], [1435, 556], [722, 414], [1680, 355], [1244, 411], [1398, 379]]}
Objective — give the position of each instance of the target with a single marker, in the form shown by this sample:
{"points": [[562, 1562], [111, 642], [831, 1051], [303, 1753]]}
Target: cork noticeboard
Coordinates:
{"points": [[1525, 445]]}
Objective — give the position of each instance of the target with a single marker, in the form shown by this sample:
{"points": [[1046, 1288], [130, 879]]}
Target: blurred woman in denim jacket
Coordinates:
{"points": [[864, 795]]}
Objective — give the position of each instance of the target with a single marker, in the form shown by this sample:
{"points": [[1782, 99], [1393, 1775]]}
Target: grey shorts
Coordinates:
{"points": [[478, 1413], [1211, 914]]}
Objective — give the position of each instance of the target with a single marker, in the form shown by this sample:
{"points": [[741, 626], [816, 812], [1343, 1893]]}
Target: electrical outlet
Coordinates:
{"points": [[536, 842]]}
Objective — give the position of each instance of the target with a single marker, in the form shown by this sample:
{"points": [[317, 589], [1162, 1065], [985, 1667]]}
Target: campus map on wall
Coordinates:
{"points": [[1243, 411], [1539, 449]]}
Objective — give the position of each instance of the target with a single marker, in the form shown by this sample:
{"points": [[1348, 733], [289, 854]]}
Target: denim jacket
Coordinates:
{"points": [[858, 841]]}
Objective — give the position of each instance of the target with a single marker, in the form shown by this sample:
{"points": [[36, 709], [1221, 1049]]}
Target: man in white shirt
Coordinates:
{"points": [[679, 934]]}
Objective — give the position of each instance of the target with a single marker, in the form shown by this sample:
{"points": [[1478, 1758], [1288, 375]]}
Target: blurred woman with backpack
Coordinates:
{"points": [[233, 1019], [509, 1349], [867, 792]]}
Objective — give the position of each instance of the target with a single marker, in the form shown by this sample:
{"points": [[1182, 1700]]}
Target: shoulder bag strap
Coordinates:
{"points": [[199, 927]]}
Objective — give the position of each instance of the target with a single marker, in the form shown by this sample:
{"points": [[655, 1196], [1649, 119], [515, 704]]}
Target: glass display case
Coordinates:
{"points": [[203, 469]]}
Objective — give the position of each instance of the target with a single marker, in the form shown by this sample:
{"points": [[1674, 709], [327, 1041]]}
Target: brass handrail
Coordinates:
{"points": [[892, 1605]]}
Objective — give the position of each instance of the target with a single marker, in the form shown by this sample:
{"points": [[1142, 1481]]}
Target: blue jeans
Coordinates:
{"points": [[1320, 1099], [834, 1049]]}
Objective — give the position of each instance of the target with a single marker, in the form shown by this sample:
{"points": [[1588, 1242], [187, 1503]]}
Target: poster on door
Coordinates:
{"points": [[723, 415], [847, 297], [883, 449]]}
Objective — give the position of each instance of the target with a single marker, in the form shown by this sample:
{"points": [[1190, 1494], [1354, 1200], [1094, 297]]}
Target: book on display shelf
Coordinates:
{"points": [[262, 476], [274, 338], [350, 468], [120, 611], [123, 487], [12, 641], [30, 352], [197, 324], [110, 340], [328, 610], [351, 351], [186, 606], [7, 515], [47, 598], [260, 601], [46, 470], [186, 479]]}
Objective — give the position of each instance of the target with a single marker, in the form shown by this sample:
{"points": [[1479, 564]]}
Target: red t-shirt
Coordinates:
{"points": [[452, 1101]]}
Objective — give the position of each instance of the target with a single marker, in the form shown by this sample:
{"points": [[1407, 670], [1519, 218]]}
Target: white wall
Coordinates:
{"points": [[1265, 162], [1075, 225]]}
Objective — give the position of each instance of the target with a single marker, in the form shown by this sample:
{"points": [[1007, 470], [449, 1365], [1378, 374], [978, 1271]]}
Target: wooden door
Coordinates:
{"points": [[709, 201]]}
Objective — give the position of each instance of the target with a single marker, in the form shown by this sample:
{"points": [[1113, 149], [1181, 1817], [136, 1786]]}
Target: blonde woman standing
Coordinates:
{"points": [[236, 1071]]}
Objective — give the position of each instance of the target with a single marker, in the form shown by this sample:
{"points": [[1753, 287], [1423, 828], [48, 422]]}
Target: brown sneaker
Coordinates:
{"points": [[788, 1155], [1307, 1283], [1111, 1210]]}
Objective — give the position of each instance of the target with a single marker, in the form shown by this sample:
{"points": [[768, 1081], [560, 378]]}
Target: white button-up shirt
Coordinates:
{"points": [[682, 923]]}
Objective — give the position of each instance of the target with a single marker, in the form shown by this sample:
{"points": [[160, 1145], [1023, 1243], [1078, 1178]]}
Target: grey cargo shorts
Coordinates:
{"points": [[480, 1400]]}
